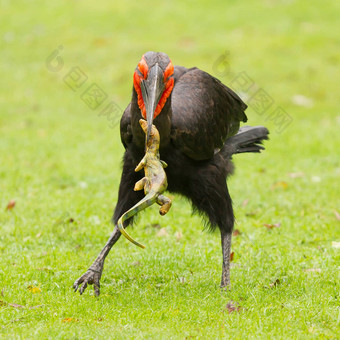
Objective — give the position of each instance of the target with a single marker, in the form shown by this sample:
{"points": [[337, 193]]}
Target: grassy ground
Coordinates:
{"points": [[60, 163]]}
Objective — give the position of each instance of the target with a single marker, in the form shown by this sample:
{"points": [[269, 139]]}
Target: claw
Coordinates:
{"points": [[75, 286], [82, 288], [92, 276]]}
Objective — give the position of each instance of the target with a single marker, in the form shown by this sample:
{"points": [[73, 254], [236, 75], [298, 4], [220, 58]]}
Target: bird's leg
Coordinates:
{"points": [[94, 273], [226, 248], [127, 198]]}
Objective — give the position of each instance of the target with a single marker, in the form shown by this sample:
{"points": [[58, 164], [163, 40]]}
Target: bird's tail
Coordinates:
{"points": [[248, 139]]}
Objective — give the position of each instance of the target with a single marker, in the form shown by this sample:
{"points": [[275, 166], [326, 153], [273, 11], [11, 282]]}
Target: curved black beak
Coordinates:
{"points": [[152, 90]]}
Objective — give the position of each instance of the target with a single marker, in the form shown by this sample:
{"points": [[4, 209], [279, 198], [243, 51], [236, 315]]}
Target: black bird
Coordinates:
{"points": [[198, 119]]}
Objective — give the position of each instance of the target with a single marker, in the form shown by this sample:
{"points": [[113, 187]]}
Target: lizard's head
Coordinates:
{"points": [[154, 134]]}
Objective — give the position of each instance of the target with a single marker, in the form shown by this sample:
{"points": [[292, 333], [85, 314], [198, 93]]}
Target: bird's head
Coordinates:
{"points": [[153, 83]]}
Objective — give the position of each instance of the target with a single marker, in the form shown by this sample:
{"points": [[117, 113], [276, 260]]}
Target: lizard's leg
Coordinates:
{"points": [[165, 204], [141, 165], [140, 184], [127, 198]]}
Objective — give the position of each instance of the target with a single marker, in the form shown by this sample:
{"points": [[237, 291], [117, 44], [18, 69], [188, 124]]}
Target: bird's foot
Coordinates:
{"points": [[225, 287], [91, 277]]}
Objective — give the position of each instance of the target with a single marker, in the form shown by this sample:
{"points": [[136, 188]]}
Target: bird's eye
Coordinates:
{"points": [[169, 71]]}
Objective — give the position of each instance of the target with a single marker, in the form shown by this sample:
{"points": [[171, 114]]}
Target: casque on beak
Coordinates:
{"points": [[152, 90]]}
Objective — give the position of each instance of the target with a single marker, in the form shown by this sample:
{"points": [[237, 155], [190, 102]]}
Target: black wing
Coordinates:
{"points": [[204, 114], [125, 127]]}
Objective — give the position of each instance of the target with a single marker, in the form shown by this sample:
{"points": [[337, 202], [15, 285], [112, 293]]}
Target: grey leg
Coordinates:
{"points": [[94, 273], [127, 198], [226, 248]]}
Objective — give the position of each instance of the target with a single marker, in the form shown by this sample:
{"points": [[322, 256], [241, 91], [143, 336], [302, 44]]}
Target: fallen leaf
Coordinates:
{"points": [[335, 244], [70, 320], [232, 307], [100, 41], [337, 215], [316, 179], [45, 269], [296, 174], [182, 279], [245, 202], [236, 232], [251, 214], [94, 219], [275, 283], [155, 225], [135, 264], [320, 248], [318, 270], [178, 235], [10, 205], [271, 226], [35, 307], [83, 185], [14, 305], [34, 289], [38, 235], [162, 233], [280, 185], [232, 256], [301, 100]]}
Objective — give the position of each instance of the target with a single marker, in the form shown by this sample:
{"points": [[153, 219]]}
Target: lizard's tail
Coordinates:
{"points": [[141, 205]]}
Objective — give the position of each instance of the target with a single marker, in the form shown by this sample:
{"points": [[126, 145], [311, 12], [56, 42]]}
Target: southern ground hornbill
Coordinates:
{"points": [[198, 119]]}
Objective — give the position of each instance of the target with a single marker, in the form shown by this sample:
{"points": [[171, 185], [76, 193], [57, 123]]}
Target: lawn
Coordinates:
{"points": [[60, 171]]}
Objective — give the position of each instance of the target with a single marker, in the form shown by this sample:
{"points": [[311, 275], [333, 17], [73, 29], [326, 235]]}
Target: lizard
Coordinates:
{"points": [[154, 183]]}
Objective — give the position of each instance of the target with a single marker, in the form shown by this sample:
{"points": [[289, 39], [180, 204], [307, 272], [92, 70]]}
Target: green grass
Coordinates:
{"points": [[61, 160]]}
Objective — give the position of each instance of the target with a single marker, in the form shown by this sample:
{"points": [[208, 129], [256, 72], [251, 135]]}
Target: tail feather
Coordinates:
{"points": [[248, 139]]}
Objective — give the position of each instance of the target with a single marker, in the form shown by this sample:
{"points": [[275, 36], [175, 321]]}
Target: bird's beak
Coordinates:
{"points": [[152, 90]]}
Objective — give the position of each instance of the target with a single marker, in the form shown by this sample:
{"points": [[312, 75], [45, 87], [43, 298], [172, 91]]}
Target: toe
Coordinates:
{"points": [[96, 290], [82, 288]]}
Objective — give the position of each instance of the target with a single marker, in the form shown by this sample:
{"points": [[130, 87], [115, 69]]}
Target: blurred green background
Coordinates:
{"points": [[60, 163]]}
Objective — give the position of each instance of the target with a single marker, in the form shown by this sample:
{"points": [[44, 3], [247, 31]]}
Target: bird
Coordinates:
{"points": [[198, 119]]}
